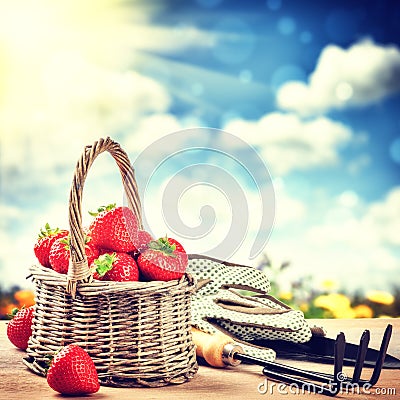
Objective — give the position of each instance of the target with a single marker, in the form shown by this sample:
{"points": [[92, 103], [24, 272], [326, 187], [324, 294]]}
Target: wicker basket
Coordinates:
{"points": [[137, 333]]}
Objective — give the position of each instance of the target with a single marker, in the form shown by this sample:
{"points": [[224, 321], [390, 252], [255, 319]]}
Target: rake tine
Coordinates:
{"points": [[340, 345], [361, 354], [335, 384], [381, 357]]}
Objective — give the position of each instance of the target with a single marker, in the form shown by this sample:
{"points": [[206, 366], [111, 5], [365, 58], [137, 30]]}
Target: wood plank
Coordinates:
{"points": [[242, 382]]}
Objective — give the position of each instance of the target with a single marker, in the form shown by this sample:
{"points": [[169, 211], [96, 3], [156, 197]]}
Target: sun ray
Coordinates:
{"points": [[187, 82]]}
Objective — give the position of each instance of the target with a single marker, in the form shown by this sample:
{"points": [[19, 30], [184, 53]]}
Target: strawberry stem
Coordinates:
{"points": [[14, 312], [101, 209], [65, 240], [47, 231], [105, 263], [49, 358], [163, 245]]}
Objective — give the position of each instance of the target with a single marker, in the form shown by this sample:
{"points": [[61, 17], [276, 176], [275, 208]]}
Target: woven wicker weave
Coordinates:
{"points": [[137, 333]]}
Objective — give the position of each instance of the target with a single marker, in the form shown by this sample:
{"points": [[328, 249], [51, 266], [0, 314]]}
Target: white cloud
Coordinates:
{"points": [[354, 243], [287, 142], [65, 82], [362, 74], [377, 226], [66, 79], [383, 218], [149, 129], [288, 209], [166, 40]]}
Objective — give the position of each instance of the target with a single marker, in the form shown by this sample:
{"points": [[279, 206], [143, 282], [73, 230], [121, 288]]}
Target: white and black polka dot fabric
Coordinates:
{"points": [[235, 299]]}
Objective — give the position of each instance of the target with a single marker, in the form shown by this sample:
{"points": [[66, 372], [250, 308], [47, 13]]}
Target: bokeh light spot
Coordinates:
{"points": [[285, 73], [235, 41], [245, 76], [344, 91], [286, 25], [348, 199], [197, 89], [395, 150]]}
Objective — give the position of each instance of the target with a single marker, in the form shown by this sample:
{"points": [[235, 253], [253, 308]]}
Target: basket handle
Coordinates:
{"points": [[78, 269]]}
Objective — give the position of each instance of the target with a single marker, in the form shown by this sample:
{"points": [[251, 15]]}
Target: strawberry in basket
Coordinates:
{"points": [[120, 267], [114, 228], [163, 260], [60, 255], [47, 237], [143, 239]]}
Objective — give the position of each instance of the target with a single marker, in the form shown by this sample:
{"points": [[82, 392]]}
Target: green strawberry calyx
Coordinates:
{"points": [[163, 245], [14, 312], [49, 358], [105, 263], [87, 238], [101, 209], [65, 240], [48, 231]]}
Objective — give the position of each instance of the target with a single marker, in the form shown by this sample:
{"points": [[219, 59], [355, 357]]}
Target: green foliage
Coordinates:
{"points": [[328, 300]]}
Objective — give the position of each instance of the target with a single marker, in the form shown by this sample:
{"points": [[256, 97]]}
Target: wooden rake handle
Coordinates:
{"points": [[217, 350]]}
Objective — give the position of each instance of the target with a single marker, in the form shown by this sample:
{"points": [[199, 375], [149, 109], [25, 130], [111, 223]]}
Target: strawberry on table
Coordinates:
{"points": [[47, 237], [114, 228], [120, 267], [19, 329], [163, 260], [60, 255], [72, 372]]}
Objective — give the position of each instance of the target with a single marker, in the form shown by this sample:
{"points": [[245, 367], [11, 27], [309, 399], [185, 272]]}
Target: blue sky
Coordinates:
{"points": [[313, 88]]}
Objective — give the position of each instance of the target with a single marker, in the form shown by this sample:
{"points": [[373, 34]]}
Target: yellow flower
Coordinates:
{"points": [[329, 285], [25, 298], [338, 304], [380, 297], [286, 296], [347, 313], [332, 301], [363, 311], [304, 307]]}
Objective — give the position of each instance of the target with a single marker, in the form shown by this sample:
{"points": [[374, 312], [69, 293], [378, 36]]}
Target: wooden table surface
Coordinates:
{"points": [[242, 382]]}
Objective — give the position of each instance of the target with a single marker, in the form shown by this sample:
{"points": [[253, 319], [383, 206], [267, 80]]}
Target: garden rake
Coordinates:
{"points": [[220, 350]]}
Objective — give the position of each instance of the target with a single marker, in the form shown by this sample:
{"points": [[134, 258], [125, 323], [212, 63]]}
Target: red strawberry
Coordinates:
{"points": [[143, 239], [47, 237], [72, 372], [114, 228], [91, 250], [19, 329], [120, 267], [59, 254], [163, 260]]}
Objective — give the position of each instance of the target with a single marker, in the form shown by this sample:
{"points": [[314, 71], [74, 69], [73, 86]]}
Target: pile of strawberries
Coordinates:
{"points": [[116, 249]]}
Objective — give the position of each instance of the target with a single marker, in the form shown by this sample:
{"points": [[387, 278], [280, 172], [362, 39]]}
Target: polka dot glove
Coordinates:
{"points": [[234, 299]]}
